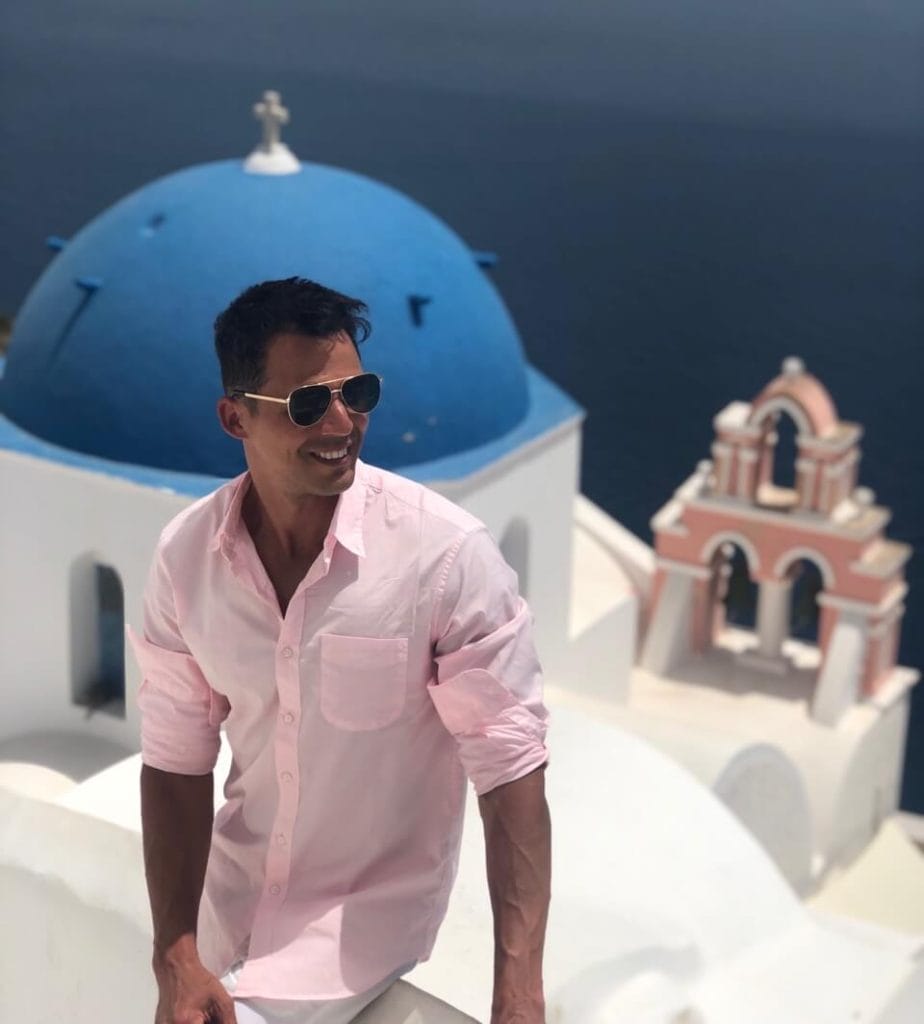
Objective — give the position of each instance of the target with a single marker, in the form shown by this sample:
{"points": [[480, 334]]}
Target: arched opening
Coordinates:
{"points": [[786, 451], [766, 792], [514, 547], [97, 637], [804, 612], [739, 600], [782, 422]]}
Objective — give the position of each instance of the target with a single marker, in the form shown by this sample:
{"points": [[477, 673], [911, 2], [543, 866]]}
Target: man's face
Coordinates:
{"points": [[285, 456]]}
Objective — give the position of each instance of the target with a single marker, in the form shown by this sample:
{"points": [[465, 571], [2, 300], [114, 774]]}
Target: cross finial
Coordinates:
{"points": [[272, 115], [271, 156]]}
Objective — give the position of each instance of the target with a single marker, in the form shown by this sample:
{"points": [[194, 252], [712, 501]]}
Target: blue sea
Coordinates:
{"points": [[680, 194]]}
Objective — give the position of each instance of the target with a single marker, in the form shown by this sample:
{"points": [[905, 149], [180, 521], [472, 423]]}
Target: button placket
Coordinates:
{"points": [[278, 854], [277, 870]]}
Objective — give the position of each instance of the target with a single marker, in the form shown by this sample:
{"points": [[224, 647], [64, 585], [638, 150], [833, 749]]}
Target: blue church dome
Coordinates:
{"points": [[112, 351]]}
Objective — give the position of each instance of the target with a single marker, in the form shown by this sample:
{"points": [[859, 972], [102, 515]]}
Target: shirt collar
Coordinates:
{"points": [[230, 523], [346, 526]]}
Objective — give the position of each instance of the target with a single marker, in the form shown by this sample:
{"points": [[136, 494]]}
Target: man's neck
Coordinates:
{"points": [[293, 526]]}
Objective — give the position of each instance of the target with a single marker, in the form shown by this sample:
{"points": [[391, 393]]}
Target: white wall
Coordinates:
{"points": [[81, 947], [870, 784], [80, 950], [52, 516], [536, 484]]}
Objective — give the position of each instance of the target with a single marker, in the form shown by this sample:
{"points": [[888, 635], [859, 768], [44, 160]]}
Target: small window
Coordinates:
{"points": [[97, 638]]}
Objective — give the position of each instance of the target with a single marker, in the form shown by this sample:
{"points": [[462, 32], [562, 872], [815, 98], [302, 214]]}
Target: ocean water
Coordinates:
{"points": [[674, 212]]}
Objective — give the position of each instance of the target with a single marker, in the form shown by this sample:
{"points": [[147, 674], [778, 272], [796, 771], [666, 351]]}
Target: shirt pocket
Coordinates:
{"points": [[363, 680]]}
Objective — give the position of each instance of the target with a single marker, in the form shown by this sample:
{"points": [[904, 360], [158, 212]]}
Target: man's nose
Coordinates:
{"points": [[338, 415]]}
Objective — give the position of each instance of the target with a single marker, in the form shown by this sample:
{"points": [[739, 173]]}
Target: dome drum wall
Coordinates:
{"points": [[126, 370]]}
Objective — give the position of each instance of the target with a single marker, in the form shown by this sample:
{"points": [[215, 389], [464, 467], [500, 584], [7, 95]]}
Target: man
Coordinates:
{"points": [[364, 645]]}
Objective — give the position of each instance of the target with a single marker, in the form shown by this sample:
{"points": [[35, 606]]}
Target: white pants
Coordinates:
{"points": [[323, 1011]]}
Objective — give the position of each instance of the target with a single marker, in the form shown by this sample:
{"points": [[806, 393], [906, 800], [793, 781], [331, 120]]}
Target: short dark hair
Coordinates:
{"points": [[294, 305]]}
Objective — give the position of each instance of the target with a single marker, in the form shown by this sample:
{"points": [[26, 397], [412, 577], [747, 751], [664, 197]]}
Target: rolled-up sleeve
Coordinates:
{"points": [[180, 713], [488, 689]]}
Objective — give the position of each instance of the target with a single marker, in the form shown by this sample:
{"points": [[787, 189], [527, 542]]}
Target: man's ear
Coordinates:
{"points": [[229, 416]]}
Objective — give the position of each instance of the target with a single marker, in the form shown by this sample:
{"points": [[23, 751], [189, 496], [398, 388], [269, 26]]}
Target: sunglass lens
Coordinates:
{"points": [[361, 393], [307, 405]]}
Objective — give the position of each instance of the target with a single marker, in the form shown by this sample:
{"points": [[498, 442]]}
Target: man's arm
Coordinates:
{"points": [[176, 819], [518, 849]]}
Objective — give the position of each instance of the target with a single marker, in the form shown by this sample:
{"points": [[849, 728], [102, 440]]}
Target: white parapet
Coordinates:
{"points": [[662, 901]]}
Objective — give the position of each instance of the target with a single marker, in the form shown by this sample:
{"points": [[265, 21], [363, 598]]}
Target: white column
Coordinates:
{"points": [[668, 641], [840, 681], [773, 604]]}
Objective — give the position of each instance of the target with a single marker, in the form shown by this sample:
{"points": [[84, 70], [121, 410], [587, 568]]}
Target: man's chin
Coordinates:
{"points": [[329, 479]]}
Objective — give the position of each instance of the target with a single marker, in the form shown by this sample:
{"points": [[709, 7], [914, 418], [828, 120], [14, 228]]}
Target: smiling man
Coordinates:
{"points": [[364, 645]]}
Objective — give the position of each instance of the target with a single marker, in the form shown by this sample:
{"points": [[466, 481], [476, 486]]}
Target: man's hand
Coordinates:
{"points": [[518, 846], [189, 994]]}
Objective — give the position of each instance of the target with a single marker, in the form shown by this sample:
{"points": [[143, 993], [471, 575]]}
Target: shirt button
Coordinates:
{"points": [[275, 890], [288, 718], [287, 652], [280, 840], [286, 776]]}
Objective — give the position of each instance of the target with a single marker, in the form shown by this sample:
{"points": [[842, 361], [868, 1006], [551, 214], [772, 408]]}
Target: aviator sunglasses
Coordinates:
{"points": [[306, 405]]}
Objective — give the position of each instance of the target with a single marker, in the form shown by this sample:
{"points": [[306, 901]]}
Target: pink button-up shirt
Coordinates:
{"points": [[404, 661]]}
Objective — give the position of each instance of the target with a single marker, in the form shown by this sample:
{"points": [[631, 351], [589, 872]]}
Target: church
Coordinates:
{"points": [[710, 778]]}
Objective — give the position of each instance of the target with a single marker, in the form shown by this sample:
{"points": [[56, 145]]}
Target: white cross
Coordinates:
{"points": [[271, 113]]}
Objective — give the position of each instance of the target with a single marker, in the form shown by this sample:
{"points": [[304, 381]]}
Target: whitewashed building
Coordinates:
{"points": [[681, 859]]}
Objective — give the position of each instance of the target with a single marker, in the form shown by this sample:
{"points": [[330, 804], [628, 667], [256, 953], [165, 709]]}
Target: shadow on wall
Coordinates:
{"points": [[514, 545]]}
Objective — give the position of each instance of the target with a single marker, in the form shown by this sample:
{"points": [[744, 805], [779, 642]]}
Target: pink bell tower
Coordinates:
{"points": [[825, 519]]}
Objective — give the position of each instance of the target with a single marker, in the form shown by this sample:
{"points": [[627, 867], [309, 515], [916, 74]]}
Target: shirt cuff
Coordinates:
{"points": [[499, 739], [180, 714]]}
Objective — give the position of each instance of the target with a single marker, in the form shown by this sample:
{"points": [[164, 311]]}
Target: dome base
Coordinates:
{"points": [[277, 160]]}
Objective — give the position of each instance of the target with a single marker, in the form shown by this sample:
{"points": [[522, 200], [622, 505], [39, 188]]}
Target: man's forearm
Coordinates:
{"points": [[518, 848], [176, 819]]}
